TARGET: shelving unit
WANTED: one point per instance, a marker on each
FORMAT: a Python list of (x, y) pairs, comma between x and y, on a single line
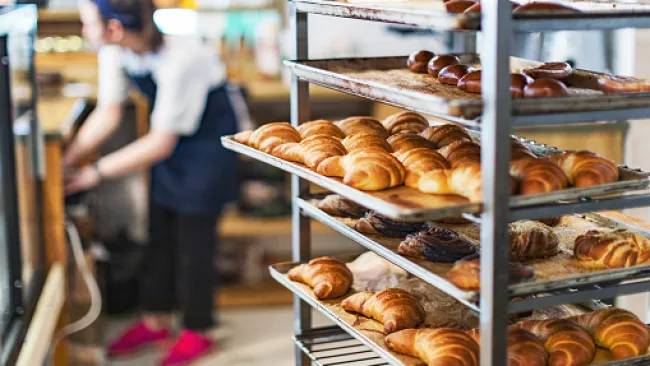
[(496, 119)]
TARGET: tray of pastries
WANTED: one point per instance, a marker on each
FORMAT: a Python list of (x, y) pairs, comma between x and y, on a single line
[(450, 85), (406, 169), (465, 14), (548, 255), (407, 322)]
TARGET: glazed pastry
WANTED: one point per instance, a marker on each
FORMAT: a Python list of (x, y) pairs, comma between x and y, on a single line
[(405, 122), (365, 169), (565, 341), (466, 273), (444, 135), (243, 137), (585, 169), (437, 245), (329, 277), (621, 84), (396, 309), (439, 62), (544, 7), (366, 141), (405, 141), (354, 125), (436, 347), (545, 88), (550, 70), (531, 240), (452, 73), (311, 151), (618, 330), (375, 224), (524, 348), (471, 82), (272, 135), (417, 61), (611, 249), (320, 127), (422, 160), (340, 206), (458, 6), (517, 84), (519, 151), (462, 152), (538, 176)]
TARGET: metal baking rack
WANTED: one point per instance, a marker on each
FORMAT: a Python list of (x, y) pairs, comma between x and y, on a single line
[(497, 25), (329, 346)]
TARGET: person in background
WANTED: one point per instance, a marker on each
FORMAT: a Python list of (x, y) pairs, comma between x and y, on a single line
[(192, 175)]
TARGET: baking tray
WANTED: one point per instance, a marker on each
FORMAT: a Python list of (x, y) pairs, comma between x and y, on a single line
[(435, 273), (432, 14), (387, 80), (369, 337), (406, 203)]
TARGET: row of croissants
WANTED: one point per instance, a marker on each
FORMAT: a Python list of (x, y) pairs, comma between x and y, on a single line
[(558, 342), (403, 149)]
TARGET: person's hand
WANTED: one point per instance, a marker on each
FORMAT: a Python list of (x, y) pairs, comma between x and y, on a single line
[(82, 179)]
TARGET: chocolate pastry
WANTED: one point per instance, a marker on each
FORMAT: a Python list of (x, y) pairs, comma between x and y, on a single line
[(471, 82), (543, 7), (375, 224), (439, 62), (545, 88), (466, 273), (549, 70), (418, 60), (458, 6), (337, 205), (517, 84), (437, 245), (452, 73)]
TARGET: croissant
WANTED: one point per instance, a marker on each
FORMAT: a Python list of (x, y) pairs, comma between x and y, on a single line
[(421, 160), (618, 330), (336, 205), (355, 125), (365, 169), (531, 240), (272, 135), (585, 169), (436, 244), (405, 122), (466, 274), (615, 249), (524, 348), (538, 176), (328, 276), (396, 309), (404, 142), (375, 224), (436, 347), (565, 341), (366, 141), (444, 135), (461, 152), (243, 137), (320, 127), (463, 180), (311, 151)]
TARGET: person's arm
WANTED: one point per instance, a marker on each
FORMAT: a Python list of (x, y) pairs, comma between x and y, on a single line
[(99, 126)]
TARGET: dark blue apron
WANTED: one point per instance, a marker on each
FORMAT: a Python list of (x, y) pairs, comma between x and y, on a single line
[(201, 175)]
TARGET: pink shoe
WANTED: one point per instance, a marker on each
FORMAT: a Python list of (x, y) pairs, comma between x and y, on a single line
[(136, 338), (189, 347)]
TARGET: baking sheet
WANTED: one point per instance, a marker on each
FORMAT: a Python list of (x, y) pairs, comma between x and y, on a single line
[(386, 79), (442, 311)]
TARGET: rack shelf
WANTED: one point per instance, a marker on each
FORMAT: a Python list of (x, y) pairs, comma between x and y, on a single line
[(330, 346)]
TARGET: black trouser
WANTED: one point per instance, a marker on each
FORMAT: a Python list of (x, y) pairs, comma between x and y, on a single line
[(181, 255)]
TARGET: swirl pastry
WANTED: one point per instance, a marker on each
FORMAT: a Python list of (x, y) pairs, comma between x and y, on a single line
[(436, 244), (404, 141), (355, 125), (444, 135), (405, 122), (272, 135), (340, 206), (375, 224), (366, 141), (585, 169), (531, 240), (612, 249), (320, 127), (395, 308), (329, 277), (466, 273)]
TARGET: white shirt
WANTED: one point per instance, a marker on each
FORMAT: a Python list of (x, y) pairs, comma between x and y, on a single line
[(184, 69)]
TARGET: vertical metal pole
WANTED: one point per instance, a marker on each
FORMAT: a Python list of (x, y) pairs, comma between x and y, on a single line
[(301, 225), (495, 157)]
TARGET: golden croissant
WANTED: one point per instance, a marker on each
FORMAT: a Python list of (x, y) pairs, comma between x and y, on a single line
[(365, 169), (422, 160), (329, 277), (524, 348), (436, 347), (405, 122), (464, 180), (538, 176), (355, 125), (404, 141), (311, 151), (585, 169), (272, 135), (462, 152), (396, 309), (366, 141), (320, 127), (444, 135)]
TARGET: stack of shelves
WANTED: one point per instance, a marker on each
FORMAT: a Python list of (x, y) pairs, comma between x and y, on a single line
[(494, 117)]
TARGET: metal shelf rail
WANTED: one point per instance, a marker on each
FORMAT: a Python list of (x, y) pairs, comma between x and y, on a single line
[(330, 346)]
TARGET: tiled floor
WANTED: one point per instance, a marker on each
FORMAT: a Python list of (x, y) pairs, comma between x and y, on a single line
[(256, 336)]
